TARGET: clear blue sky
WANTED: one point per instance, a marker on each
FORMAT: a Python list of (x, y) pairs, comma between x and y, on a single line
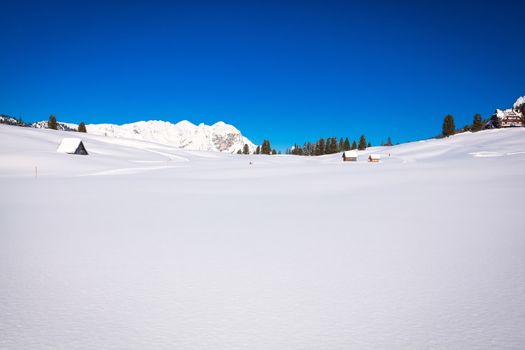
[(287, 71)]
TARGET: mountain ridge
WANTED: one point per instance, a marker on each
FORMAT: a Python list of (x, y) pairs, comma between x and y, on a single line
[(219, 137)]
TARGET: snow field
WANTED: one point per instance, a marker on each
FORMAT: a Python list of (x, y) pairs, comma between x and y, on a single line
[(140, 245)]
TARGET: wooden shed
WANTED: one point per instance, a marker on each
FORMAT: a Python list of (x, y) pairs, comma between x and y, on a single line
[(350, 156), (72, 145), (375, 158)]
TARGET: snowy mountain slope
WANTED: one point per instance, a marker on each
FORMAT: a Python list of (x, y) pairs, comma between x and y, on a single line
[(518, 103), (219, 137), (143, 245), (60, 126)]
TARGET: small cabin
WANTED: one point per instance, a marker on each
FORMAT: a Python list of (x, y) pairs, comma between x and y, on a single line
[(374, 158), (72, 145), (350, 156)]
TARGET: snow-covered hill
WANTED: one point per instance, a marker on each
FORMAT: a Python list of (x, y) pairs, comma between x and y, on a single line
[(60, 126), (141, 245), (219, 137)]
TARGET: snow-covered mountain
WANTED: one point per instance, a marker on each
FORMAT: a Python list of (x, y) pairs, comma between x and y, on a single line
[(60, 126), (5, 119), (521, 100), (219, 137)]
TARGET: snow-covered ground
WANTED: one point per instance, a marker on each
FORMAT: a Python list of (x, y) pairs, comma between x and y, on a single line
[(145, 246)]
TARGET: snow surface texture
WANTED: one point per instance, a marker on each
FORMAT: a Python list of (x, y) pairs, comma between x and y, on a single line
[(146, 246), (219, 137)]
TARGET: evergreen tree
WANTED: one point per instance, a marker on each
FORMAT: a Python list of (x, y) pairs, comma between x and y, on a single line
[(308, 149), (52, 122), (335, 147), (274, 151), (388, 141), (496, 122), (341, 145), (354, 145), (82, 127), (246, 149), (449, 127), (331, 145), (362, 143), (477, 123), (346, 146), (321, 146), (239, 152), (369, 144), (258, 150), (266, 148)]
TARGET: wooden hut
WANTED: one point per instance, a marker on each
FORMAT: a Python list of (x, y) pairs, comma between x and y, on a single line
[(374, 158), (350, 156), (72, 145)]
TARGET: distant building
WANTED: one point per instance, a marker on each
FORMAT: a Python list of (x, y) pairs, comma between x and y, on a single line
[(72, 145), (505, 118), (350, 156), (375, 158)]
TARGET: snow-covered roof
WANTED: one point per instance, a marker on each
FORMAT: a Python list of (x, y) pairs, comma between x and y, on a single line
[(350, 154), (374, 156), (506, 113), (69, 145)]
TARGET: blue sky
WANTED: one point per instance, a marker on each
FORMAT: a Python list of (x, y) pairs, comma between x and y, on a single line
[(286, 71)]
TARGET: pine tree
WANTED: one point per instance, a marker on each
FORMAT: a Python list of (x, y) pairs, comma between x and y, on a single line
[(308, 149), (362, 143), (477, 123), (388, 141), (82, 127), (369, 144), (354, 145), (334, 147), (52, 122), (321, 146), (246, 149), (346, 146), (239, 152), (329, 145), (449, 127), (274, 151), (266, 148), (496, 122), (258, 150), (341, 145)]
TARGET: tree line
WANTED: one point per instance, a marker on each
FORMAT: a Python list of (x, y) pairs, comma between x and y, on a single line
[(449, 126), (331, 145), (265, 148)]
